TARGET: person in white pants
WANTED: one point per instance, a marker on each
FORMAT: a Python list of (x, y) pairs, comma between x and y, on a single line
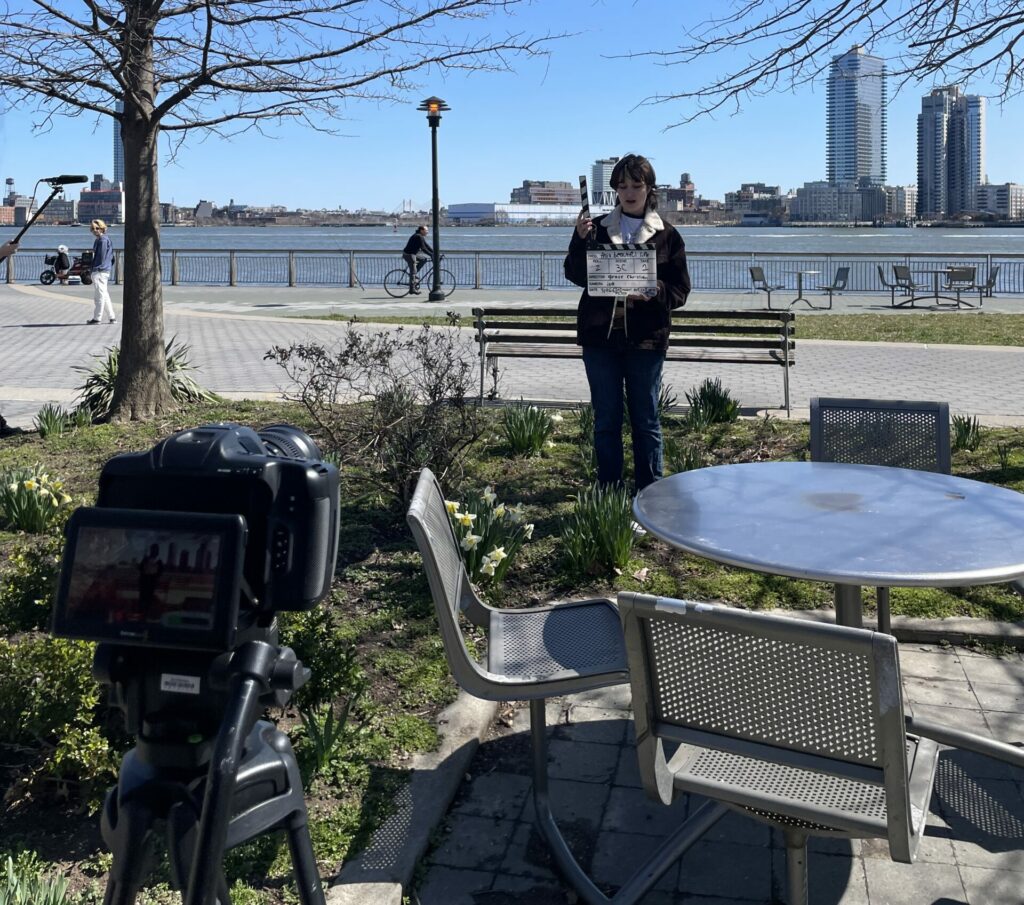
[(102, 261)]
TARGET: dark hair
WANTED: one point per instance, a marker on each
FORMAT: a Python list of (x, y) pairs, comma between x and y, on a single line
[(638, 169)]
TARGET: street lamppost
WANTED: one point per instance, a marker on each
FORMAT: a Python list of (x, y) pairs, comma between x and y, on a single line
[(433, 107)]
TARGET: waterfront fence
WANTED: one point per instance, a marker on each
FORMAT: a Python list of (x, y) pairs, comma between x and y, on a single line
[(709, 271)]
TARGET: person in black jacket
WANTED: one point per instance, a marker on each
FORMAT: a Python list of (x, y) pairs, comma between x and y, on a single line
[(416, 253), (625, 339), (62, 264)]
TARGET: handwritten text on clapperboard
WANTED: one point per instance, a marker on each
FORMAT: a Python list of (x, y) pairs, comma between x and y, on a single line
[(622, 270)]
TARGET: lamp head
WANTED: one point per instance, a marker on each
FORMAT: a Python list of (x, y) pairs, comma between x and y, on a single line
[(433, 107)]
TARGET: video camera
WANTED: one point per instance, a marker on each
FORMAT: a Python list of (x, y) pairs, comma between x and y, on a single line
[(209, 533), (179, 571)]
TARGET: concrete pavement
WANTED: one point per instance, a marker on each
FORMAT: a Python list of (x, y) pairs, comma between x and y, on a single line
[(43, 335)]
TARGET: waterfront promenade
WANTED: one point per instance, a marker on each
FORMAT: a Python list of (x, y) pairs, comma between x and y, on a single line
[(229, 329)]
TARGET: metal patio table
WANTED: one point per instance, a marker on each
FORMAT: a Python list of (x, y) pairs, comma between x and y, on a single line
[(800, 274), (852, 525)]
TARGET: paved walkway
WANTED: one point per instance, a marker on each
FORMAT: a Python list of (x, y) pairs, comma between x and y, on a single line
[(488, 853), (43, 335)]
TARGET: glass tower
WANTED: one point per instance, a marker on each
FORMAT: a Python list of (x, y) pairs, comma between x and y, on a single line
[(118, 146), (950, 152), (856, 133)]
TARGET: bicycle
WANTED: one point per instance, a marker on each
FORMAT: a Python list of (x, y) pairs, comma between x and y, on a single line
[(396, 282)]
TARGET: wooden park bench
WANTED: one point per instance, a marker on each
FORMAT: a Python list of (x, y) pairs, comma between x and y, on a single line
[(722, 337)]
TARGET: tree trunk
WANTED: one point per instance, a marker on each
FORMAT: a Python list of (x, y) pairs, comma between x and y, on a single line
[(142, 389)]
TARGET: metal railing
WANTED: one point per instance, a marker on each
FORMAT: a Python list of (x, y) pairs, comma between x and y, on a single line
[(709, 271)]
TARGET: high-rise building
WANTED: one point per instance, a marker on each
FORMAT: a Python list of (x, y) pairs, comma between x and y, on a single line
[(601, 191), (118, 146), (950, 152), (535, 191), (856, 131)]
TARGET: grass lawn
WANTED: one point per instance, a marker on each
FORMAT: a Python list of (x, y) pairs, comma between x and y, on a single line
[(374, 644), (959, 328)]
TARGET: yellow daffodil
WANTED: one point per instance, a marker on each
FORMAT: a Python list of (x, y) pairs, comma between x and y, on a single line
[(497, 554), (452, 507), (465, 519), (29, 484), (499, 510), (470, 541)]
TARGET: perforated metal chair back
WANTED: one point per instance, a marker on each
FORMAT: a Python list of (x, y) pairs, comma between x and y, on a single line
[(798, 723), (897, 433), (842, 278), (902, 274), (990, 280), (532, 653), (758, 277), (962, 277)]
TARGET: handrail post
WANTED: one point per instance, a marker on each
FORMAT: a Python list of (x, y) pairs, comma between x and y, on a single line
[(478, 313), (231, 268), (476, 267), (542, 281), (351, 269), (117, 267), (174, 268), (291, 269)]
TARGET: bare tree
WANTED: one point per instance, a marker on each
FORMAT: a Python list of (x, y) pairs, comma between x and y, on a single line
[(223, 66), (785, 43)]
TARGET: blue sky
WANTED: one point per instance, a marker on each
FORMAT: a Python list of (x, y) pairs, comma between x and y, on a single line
[(548, 120)]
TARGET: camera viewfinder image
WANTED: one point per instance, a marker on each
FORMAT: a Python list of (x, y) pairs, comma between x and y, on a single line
[(122, 575)]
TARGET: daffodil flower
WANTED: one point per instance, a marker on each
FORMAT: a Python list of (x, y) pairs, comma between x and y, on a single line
[(13, 488), (549, 443), (528, 531), (557, 418), (470, 541), (489, 495), (465, 519), (497, 554), (30, 484), (488, 566), (499, 510), (43, 491), (65, 498)]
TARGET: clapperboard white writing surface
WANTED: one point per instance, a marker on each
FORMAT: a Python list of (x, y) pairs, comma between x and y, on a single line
[(627, 269)]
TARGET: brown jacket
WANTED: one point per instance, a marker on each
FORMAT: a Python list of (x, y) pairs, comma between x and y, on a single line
[(647, 322)]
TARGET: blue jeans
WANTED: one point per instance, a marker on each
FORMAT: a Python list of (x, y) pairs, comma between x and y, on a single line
[(608, 369)]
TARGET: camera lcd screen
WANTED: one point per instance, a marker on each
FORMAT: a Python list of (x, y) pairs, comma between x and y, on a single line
[(165, 579)]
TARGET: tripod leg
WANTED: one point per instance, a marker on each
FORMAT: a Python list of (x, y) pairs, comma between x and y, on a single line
[(307, 875), (127, 828)]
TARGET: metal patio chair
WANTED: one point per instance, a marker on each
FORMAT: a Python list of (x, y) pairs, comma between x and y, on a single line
[(761, 283), (906, 283), (986, 288), (960, 280), (794, 723), (533, 654), (892, 287), (838, 284), (890, 432)]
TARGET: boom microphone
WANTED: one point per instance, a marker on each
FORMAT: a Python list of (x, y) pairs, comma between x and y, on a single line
[(64, 179)]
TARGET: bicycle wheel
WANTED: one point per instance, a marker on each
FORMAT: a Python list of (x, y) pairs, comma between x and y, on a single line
[(447, 282), (396, 283)]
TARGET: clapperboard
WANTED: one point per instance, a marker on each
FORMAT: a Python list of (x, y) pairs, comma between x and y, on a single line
[(626, 269)]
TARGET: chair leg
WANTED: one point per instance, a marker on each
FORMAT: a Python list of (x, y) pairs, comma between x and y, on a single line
[(882, 604), (650, 871), (796, 866)]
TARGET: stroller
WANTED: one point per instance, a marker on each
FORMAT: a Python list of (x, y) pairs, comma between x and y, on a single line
[(80, 267)]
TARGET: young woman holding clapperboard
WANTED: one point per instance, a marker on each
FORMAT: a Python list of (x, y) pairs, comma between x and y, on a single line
[(624, 339)]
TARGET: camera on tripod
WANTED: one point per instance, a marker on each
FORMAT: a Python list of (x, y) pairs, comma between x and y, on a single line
[(178, 571)]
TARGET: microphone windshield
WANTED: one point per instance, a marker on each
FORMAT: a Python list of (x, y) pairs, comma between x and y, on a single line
[(64, 179)]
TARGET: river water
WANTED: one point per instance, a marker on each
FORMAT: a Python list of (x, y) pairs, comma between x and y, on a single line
[(759, 240)]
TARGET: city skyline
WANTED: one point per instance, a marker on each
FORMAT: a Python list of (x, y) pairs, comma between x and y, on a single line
[(548, 121)]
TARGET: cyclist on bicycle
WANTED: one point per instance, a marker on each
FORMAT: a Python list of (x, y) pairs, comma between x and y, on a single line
[(416, 253)]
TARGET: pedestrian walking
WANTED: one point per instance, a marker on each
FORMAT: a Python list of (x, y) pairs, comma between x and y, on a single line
[(102, 262), (625, 339)]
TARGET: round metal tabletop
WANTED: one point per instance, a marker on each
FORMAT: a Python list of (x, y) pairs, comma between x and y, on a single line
[(848, 524)]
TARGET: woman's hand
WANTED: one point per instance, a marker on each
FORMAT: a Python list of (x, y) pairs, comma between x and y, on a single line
[(584, 225)]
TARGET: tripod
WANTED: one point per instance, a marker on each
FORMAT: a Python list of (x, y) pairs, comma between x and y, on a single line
[(204, 766)]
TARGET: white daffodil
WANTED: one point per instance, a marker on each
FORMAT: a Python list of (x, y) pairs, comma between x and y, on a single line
[(528, 531), (488, 566), (29, 484), (470, 541), (465, 519), (13, 488), (515, 514), (452, 506), (499, 510), (497, 554), (549, 443), (557, 418), (65, 498), (489, 495)]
